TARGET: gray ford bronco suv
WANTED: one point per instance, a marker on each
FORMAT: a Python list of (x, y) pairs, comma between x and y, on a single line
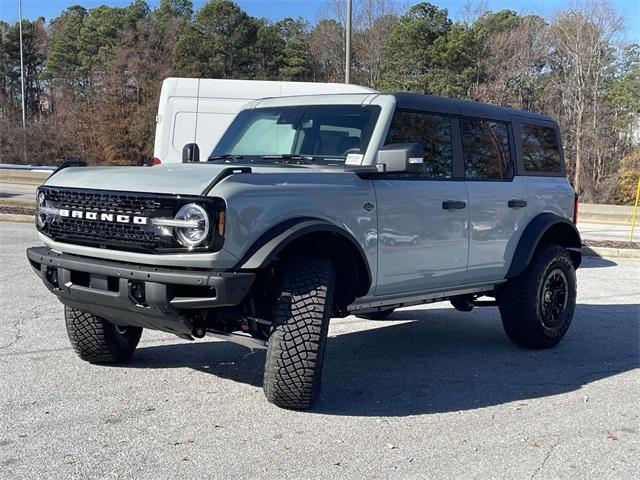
[(311, 208)]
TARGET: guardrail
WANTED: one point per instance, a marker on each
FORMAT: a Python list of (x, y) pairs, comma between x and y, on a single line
[(12, 166)]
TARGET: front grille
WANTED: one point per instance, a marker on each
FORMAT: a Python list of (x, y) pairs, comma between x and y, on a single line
[(110, 234), (103, 201)]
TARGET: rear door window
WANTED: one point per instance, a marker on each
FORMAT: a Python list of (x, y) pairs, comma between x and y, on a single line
[(486, 150), (433, 132), (540, 149)]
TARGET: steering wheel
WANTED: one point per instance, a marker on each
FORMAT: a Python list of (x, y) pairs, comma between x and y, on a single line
[(351, 150)]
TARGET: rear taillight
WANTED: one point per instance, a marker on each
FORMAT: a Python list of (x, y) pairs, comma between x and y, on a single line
[(575, 209), (155, 161)]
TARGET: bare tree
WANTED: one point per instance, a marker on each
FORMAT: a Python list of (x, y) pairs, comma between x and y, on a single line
[(327, 50), (519, 57), (471, 10), (372, 22), (583, 42)]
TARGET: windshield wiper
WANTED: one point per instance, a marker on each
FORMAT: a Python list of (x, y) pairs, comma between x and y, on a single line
[(290, 158), (225, 157)]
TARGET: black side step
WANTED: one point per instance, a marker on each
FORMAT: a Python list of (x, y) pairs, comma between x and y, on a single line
[(239, 339)]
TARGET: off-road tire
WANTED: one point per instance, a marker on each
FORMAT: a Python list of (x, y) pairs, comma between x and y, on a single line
[(295, 352), (96, 340), (379, 315), (522, 300)]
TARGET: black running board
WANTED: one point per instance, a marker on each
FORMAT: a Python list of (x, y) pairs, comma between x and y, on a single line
[(239, 338)]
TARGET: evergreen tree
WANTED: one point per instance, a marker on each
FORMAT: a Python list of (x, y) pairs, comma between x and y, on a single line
[(220, 43), (63, 61), (407, 57), (297, 62)]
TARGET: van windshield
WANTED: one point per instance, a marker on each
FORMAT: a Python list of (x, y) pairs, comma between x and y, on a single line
[(322, 134)]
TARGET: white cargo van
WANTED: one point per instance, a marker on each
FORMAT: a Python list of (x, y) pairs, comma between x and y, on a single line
[(198, 110)]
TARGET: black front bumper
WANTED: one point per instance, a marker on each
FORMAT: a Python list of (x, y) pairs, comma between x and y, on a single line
[(129, 294)]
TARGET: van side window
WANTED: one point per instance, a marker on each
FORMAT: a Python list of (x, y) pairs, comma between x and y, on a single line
[(433, 132), (540, 149), (485, 146)]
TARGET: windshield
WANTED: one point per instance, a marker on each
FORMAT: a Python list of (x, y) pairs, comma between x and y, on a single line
[(323, 134)]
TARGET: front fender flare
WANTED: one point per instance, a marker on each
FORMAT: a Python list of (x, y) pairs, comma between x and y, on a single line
[(275, 240), (560, 229)]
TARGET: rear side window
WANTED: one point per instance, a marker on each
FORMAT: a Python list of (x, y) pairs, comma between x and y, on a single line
[(433, 132), (540, 149), (485, 146)]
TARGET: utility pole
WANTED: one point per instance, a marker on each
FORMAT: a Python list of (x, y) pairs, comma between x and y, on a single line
[(24, 115), (24, 112), (347, 69)]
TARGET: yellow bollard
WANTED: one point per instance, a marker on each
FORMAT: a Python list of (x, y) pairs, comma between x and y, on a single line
[(635, 213)]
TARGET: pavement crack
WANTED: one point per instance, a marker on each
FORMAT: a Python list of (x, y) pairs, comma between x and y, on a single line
[(18, 335), (544, 461)]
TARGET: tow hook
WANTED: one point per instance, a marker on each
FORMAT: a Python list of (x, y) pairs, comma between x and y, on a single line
[(465, 303), (199, 332)]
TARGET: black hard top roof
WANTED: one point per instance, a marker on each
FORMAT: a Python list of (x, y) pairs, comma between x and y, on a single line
[(432, 103)]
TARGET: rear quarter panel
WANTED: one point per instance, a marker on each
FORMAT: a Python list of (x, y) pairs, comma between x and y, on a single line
[(550, 194)]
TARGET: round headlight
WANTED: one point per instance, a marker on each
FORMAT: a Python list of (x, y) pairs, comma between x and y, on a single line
[(41, 218), (192, 236)]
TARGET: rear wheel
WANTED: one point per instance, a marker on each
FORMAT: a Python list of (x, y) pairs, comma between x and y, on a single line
[(537, 306), (96, 340), (295, 353), (379, 315)]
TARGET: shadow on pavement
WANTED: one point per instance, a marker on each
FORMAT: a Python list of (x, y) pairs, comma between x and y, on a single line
[(597, 262), (437, 360)]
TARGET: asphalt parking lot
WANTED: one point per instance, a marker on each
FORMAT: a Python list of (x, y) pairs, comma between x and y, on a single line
[(432, 393)]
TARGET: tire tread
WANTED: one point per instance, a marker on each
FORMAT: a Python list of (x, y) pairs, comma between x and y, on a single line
[(518, 300), (94, 339), (296, 346)]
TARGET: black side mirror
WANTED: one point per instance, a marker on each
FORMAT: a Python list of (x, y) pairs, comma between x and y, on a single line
[(190, 153), (401, 157)]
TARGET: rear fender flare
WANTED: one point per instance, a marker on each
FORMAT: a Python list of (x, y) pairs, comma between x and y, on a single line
[(546, 225)]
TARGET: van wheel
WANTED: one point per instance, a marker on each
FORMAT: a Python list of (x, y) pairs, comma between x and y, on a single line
[(96, 340), (295, 353), (379, 315), (537, 306)]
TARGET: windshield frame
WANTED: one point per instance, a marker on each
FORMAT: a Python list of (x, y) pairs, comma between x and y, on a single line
[(221, 150)]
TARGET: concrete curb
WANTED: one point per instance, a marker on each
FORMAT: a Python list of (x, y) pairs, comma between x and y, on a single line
[(607, 252), (14, 218)]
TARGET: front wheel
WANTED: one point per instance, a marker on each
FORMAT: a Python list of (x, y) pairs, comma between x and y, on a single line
[(96, 340), (297, 342), (537, 306)]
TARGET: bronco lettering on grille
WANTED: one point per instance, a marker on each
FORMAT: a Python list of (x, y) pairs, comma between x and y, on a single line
[(103, 217)]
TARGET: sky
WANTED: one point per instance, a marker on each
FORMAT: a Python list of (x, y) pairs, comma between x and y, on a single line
[(313, 9)]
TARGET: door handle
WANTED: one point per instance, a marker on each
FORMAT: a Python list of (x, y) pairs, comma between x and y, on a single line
[(453, 205), (517, 203)]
